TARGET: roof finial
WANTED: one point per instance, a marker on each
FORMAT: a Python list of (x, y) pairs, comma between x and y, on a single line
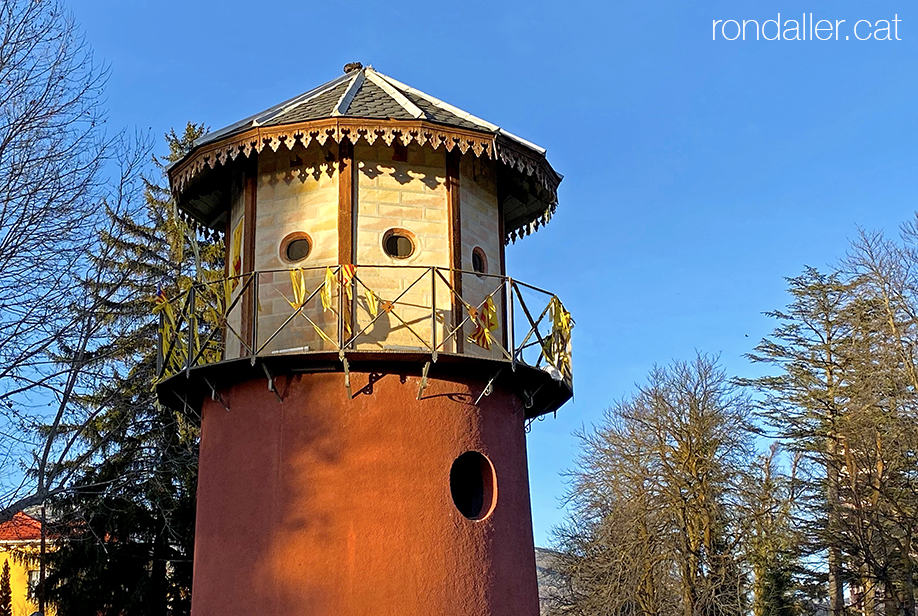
[(352, 66)]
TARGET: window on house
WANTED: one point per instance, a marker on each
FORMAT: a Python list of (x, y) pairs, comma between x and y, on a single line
[(34, 579), (479, 261), (398, 243), (295, 247), (472, 485)]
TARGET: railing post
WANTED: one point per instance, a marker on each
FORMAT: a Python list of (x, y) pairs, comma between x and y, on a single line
[(340, 308), (511, 337), (352, 309), (253, 282), (433, 313), (192, 326)]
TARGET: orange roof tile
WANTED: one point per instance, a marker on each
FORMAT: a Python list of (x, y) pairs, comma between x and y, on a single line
[(21, 528)]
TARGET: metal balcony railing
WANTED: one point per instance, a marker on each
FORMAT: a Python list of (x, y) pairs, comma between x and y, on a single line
[(349, 310)]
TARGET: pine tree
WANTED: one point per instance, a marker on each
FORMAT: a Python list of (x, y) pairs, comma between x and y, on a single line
[(771, 538), (6, 591), (130, 522), (805, 404)]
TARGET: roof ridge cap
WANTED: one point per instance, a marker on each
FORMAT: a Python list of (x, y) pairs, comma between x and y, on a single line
[(253, 120), (465, 115), (347, 97), (306, 97), (461, 113), (382, 82)]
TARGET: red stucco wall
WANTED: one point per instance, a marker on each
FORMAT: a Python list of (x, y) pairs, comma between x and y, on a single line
[(325, 504)]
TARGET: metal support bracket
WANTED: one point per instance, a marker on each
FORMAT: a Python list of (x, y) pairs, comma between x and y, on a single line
[(527, 400), (530, 396), (187, 408), (347, 375), (215, 395), (488, 389), (270, 378), (423, 384)]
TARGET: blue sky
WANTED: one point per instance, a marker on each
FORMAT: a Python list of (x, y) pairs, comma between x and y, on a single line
[(698, 173)]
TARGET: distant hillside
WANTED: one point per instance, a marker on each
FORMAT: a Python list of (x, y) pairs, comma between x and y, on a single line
[(551, 580)]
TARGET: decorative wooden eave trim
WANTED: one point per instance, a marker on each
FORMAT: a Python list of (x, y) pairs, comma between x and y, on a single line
[(528, 163), (519, 159), (353, 130), (528, 228), (337, 130), (21, 542)]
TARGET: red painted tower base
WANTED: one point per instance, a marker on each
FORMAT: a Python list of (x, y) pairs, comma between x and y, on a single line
[(327, 504)]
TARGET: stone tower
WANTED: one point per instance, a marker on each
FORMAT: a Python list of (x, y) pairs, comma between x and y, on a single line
[(366, 370)]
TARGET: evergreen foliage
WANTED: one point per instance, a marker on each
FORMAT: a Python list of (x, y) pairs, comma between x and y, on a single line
[(128, 525), (772, 543), (825, 523)]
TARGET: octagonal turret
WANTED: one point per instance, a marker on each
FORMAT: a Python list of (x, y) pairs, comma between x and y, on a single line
[(365, 217)]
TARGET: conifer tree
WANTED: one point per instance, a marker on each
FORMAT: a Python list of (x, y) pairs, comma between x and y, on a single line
[(6, 591), (771, 538), (845, 401), (129, 524), (805, 404)]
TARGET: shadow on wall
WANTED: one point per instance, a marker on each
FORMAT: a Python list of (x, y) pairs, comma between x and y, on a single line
[(373, 170)]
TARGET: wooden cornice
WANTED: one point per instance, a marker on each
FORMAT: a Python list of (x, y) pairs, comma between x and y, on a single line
[(353, 130)]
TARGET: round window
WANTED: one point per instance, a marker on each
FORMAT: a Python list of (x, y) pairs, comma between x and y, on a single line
[(473, 485), (398, 243), (479, 261), (295, 247)]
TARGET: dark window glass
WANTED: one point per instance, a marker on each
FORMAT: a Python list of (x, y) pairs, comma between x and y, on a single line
[(471, 484), (478, 261), (298, 249), (399, 246)]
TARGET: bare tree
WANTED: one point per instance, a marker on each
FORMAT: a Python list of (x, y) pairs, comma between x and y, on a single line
[(51, 154), (878, 437), (654, 528), (54, 207), (46, 444)]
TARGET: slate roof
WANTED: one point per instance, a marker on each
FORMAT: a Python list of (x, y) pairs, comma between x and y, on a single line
[(364, 92), (363, 96)]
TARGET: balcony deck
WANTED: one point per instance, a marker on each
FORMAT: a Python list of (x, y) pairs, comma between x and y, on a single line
[(365, 317)]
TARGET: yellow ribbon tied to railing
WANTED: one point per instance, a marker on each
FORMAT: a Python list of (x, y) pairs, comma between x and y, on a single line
[(300, 292), (372, 303), (327, 289), (301, 295), (485, 321), (558, 347), (174, 347)]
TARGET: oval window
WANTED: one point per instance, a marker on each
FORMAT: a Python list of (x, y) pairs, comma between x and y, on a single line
[(295, 247), (479, 261), (473, 485), (398, 243)]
